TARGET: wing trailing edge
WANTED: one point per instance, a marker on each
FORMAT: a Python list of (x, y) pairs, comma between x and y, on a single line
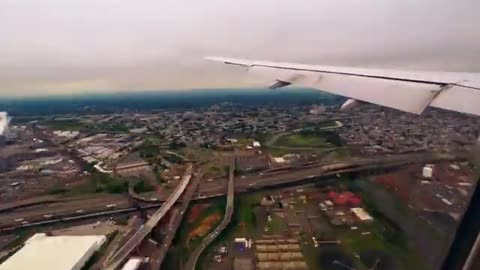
[(410, 91)]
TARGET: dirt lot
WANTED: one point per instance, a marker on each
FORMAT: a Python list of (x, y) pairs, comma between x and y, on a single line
[(196, 211), (205, 226)]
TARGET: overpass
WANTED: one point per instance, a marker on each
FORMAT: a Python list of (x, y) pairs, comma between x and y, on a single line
[(176, 220), (192, 261), (218, 188), (124, 251)]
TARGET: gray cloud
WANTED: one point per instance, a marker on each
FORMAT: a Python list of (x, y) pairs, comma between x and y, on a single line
[(61, 46)]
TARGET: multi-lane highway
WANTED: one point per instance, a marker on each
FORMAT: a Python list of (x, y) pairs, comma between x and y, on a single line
[(176, 220), (41, 213), (140, 235), (192, 261)]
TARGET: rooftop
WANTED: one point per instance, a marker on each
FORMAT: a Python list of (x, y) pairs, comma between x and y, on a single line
[(54, 252)]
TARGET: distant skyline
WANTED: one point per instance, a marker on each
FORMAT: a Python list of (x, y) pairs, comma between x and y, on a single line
[(70, 47)]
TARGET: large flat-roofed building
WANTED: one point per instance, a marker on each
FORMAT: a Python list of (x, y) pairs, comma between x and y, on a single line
[(54, 252), (4, 121), (132, 264)]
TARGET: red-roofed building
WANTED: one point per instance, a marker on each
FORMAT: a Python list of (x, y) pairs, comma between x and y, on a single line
[(340, 200), (332, 195), (354, 201)]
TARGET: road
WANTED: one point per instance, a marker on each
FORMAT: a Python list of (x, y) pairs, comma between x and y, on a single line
[(140, 235), (65, 208), (192, 261), (215, 188), (239, 187), (176, 220), (264, 180)]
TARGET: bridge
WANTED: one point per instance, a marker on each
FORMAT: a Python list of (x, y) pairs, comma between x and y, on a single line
[(122, 254), (192, 261)]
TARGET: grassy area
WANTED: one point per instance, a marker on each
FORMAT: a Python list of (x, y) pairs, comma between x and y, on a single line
[(109, 184), (142, 186), (339, 154), (299, 140), (242, 223), (386, 236), (380, 241), (242, 142), (217, 207), (280, 151), (155, 139), (400, 207), (310, 252), (98, 183), (244, 215), (196, 153), (114, 127), (76, 124), (148, 150), (276, 225), (319, 125), (71, 124), (216, 171)]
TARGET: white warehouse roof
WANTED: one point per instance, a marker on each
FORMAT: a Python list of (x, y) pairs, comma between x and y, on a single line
[(132, 264), (54, 252)]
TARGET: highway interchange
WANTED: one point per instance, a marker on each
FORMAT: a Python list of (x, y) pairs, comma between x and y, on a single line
[(111, 204), (192, 261), (176, 219), (144, 230), (189, 188)]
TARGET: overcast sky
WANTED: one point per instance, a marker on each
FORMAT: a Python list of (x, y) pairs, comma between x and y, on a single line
[(65, 46)]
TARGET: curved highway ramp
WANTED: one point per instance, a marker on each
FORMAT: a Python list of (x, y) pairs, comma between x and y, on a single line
[(138, 237), (192, 261)]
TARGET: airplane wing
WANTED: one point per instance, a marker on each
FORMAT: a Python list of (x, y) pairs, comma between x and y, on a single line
[(410, 91)]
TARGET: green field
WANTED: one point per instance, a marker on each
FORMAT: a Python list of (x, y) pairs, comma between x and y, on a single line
[(143, 187), (216, 171), (154, 139), (276, 225), (71, 124), (385, 236), (99, 183), (242, 223), (299, 140), (75, 124)]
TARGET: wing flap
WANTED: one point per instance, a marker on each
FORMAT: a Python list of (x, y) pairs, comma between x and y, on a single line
[(401, 95), (460, 99), (410, 91), (406, 96)]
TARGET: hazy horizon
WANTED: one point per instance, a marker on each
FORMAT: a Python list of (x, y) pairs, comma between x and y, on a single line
[(60, 47)]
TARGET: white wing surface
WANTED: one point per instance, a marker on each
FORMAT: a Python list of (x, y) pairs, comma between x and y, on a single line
[(410, 91)]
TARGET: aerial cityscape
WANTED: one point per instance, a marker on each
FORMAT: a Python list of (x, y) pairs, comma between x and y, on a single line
[(239, 135), (232, 184)]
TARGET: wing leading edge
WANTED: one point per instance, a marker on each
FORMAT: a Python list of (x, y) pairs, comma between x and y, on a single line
[(409, 91)]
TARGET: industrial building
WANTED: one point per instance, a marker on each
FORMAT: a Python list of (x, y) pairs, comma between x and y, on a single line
[(133, 264), (4, 121), (54, 252), (279, 253)]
